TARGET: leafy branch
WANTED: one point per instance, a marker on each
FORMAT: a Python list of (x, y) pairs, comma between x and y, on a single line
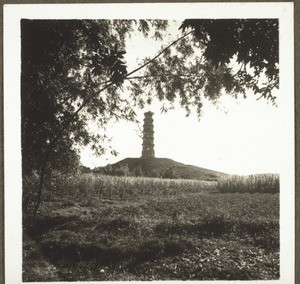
[(93, 94)]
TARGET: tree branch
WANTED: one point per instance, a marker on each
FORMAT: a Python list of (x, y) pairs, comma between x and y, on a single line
[(94, 93), (51, 145), (110, 83), (159, 75), (159, 54), (148, 62)]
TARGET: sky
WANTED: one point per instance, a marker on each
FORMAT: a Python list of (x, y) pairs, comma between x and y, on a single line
[(243, 137), (239, 136)]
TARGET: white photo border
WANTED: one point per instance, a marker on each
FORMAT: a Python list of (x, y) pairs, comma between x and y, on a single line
[(12, 126)]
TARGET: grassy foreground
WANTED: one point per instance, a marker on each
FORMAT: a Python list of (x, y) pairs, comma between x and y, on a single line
[(117, 228)]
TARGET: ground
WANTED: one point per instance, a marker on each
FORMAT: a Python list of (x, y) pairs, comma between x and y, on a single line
[(130, 232)]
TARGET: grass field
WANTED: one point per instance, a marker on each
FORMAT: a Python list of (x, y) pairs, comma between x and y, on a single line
[(93, 227)]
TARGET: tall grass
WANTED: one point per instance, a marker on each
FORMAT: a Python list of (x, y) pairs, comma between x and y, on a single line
[(91, 186), (261, 183), (96, 228), (121, 188)]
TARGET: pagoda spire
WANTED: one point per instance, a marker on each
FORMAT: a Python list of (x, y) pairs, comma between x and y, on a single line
[(148, 136)]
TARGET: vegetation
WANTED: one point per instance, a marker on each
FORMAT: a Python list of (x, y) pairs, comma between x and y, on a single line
[(223, 56), (263, 183), (94, 228), (86, 187), (73, 72), (254, 43), (158, 167)]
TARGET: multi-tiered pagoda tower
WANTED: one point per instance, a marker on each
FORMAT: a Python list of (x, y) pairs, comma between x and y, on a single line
[(148, 145)]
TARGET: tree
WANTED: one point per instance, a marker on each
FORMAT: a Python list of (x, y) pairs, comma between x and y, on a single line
[(217, 56), (254, 44), (60, 60), (74, 71)]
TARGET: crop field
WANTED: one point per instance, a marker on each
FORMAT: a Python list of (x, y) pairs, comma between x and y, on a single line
[(95, 228)]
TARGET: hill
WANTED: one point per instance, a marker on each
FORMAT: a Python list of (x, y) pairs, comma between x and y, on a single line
[(159, 167)]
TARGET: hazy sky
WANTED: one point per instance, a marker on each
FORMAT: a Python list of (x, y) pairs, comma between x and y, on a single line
[(238, 136), (244, 140)]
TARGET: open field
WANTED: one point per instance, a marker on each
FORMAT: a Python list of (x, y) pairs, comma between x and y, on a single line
[(122, 228)]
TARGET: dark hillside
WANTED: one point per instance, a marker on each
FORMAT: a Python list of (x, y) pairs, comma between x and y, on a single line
[(163, 167)]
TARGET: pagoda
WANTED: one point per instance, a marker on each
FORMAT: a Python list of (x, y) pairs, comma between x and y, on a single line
[(148, 132)]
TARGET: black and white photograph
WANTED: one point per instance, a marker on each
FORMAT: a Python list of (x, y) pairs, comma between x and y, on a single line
[(149, 142)]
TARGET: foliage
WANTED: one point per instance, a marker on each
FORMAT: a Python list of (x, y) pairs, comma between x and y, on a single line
[(254, 43), (122, 170), (86, 187), (138, 171), (159, 167), (170, 173), (263, 183), (84, 169), (223, 56), (73, 73), (168, 231)]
